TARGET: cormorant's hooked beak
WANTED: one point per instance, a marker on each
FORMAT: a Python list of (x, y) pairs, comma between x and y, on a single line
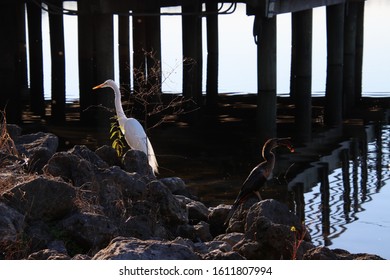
[(287, 143)]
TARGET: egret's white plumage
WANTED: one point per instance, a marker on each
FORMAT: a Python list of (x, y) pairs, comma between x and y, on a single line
[(132, 130)]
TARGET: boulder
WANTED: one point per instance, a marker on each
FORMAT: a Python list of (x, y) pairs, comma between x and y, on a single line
[(89, 231), (109, 155), (172, 211), (324, 253), (38, 148), (137, 161), (41, 199), (121, 248), (217, 217), (11, 223), (71, 168)]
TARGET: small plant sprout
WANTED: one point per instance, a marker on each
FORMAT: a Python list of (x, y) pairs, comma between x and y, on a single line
[(298, 239)]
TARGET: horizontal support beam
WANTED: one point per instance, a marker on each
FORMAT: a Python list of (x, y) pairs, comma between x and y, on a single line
[(270, 8)]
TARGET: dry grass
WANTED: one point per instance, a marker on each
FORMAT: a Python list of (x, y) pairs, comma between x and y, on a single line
[(7, 145), (11, 167)]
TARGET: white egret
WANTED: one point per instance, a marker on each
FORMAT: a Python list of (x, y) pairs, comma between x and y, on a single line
[(132, 130)]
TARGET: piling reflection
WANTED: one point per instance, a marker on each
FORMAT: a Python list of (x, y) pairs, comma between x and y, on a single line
[(343, 192)]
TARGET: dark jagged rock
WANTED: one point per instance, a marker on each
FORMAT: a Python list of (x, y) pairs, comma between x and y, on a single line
[(177, 186), (38, 148), (137, 161), (109, 155), (71, 168), (11, 223), (88, 230), (48, 254), (173, 212), (122, 248), (217, 217), (85, 153), (41, 199), (197, 211), (324, 253)]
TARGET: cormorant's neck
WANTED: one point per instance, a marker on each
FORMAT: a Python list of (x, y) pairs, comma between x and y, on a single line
[(268, 155)]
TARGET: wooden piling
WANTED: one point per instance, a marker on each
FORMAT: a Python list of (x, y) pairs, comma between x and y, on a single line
[(86, 62), (13, 59), (34, 19), (146, 45), (334, 78), (349, 71), (266, 77), (124, 52), (57, 47), (192, 51), (212, 54), (301, 71), (359, 49)]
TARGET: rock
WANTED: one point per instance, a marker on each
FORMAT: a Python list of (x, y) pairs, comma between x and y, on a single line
[(14, 131), (89, 231), (172, 211), (109, 155), (137, 161), (131, 185), (197, 211), (177, 187), (219, 255), (143, 222), (38, 147), (238, 219), (324, 253), (121, 248), (71, 168), (269, 237), (48, 254), (27, 143), (84, 153), (11, 223), (202, 230), (216, 219), (41, 199), (275, 211), (231, 238)]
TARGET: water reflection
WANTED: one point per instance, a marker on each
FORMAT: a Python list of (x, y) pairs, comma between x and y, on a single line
[(341, 195)]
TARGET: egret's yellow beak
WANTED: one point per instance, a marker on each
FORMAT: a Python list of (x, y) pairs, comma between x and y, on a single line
[(99, 86)]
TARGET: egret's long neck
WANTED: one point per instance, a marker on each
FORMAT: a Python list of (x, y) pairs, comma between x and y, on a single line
[(118, 104)]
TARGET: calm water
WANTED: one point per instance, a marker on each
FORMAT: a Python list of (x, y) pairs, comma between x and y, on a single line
[(358, 218), (362, 224)]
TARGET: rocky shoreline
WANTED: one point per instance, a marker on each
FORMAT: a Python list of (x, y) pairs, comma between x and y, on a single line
[(83, 204)]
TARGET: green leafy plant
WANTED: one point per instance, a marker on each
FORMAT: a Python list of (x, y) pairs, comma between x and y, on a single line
[(117, 137)]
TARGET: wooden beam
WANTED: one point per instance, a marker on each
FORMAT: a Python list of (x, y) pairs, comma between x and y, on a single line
[(359, 50), (124, 52), (13, 59), (349, 71), (301, 68), (192, 52), (86, 61), (334, 78), (266, 65), (34, 17), (270, 8), (212, 54), (57, 47)]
